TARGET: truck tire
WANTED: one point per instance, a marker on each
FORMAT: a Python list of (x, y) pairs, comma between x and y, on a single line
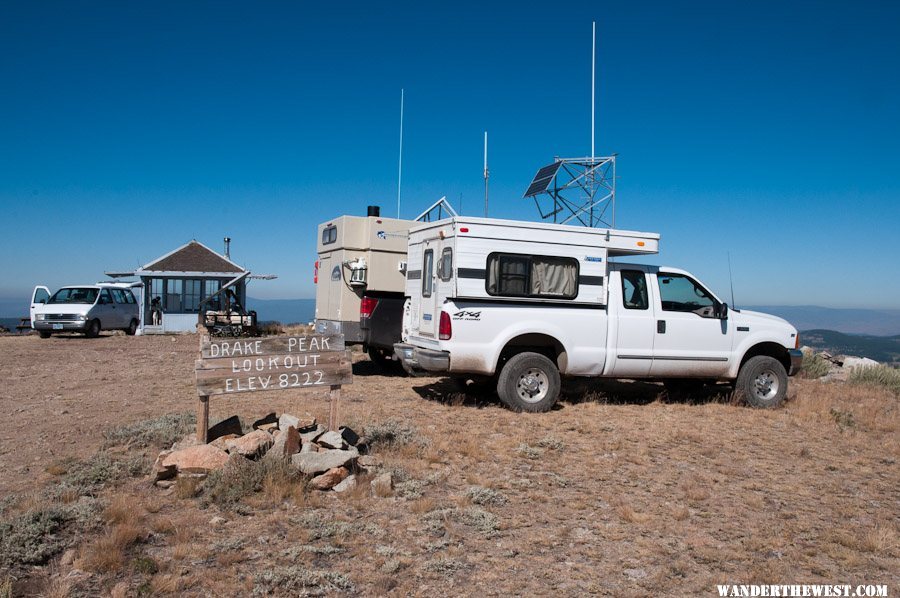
[(92, 329), (380, 358), (529, 382), (762, 382)]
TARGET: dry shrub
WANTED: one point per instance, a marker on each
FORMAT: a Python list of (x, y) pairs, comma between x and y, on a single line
[(879, 376), (680, 513), (165, 584), (814, 365), (122, 508), (187, 486), (881, 540), (627, 513), (107, 554)]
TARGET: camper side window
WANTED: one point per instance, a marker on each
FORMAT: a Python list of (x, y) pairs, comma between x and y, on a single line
[(329, 235), (445, 267), (427, 273), (537, 276)]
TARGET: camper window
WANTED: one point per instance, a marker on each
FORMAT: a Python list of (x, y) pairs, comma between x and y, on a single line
[(445, 267), (329, 235), (535, 276), (634, 290), (428, 273)]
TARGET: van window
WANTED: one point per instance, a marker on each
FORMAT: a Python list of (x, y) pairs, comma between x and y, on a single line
[(428, 273), (512, 275), (329, 235), (129, 297), (679, 293), (119, 296), (105, 298), (634, 290), (445, 267)]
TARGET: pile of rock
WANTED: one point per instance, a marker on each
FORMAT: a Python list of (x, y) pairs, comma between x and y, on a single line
[(840, 366), (330, 458)]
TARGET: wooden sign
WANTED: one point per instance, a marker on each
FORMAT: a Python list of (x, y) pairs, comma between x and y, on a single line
[(229, 366)]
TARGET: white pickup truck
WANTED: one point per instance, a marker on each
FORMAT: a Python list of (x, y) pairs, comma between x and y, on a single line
[(517, 304)]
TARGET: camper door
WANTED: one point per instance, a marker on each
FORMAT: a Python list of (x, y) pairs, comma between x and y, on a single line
[(437, 281)]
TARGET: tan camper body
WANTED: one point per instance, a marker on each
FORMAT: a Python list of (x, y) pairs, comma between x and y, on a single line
[(382, 243)]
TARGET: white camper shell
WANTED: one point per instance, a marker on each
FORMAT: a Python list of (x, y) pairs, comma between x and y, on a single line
[(517, 304), (357, 255), (475, 258)]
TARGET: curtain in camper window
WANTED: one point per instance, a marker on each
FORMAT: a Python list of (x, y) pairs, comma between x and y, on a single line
[(532, 276), (554, 276)]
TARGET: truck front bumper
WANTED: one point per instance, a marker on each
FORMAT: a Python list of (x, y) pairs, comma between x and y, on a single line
[(796, 356), (416, 358), (54, 326)]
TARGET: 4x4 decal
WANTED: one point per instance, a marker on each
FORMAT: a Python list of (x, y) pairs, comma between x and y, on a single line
[(467, 315)]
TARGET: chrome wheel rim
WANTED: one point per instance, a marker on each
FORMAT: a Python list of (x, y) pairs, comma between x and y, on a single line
[(765, 386), (532, 385)]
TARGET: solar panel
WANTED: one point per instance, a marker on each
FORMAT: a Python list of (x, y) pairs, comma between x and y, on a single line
[(543, 178)]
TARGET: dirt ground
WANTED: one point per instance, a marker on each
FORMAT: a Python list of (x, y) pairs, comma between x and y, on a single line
[(616, 492)]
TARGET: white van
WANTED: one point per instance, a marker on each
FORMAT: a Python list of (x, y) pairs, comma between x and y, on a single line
[(519, 303), (84, 308)]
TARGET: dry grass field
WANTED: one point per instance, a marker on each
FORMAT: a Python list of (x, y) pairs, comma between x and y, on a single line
[(617, 492)]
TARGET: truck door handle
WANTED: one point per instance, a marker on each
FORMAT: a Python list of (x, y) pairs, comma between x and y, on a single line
[(661, 326)]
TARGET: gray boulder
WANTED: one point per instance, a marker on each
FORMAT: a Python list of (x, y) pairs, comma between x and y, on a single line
[(315, 463)]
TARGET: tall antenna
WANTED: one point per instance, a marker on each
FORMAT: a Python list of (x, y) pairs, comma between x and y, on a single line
[(400, 161), (486, 175), (731, 280), (593, 78)]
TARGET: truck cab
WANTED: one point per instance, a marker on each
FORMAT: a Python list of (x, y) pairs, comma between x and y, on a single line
[(519, 313)]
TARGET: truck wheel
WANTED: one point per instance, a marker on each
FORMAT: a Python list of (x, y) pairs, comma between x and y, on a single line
[(380, 358), (529, 382), (132, 328), (44, 333), (762, 382), (93, 329)]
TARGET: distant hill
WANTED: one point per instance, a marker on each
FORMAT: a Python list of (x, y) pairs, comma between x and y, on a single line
[(885, 349), (286, 311), (880, 322)]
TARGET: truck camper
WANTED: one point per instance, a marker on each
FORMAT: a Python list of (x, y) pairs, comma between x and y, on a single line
[(517, 304)]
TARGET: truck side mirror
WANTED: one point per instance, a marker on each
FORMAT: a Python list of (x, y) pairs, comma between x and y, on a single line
[(722, 311)]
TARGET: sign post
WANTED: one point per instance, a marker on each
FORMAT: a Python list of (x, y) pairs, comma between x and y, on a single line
[(237, 365)]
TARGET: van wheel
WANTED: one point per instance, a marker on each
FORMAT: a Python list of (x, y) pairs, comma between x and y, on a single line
[(762, 382), (132, 328), (93, 329), (529, 382), (44, 333)]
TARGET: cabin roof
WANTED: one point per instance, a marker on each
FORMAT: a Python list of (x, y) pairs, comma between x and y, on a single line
[(193, 257)]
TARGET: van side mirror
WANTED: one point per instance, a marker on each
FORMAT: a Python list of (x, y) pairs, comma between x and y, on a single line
[(722, 311)]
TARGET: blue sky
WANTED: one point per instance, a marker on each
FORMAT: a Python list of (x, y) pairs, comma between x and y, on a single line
[(768, 130)]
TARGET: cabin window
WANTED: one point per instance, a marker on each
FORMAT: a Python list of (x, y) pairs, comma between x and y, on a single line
[(428, 273), (156, 289), (634, 290), (329, 235), (679, 293), (211, 288), (445, 267), (174, 288), (192, 295), (536, 276)]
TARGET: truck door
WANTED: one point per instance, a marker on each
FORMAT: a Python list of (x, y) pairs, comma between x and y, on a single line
[(39, 296), (635, 323), (690, 341), (429, 311)]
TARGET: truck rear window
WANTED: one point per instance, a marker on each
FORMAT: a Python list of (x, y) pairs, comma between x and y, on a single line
[(537, 276)]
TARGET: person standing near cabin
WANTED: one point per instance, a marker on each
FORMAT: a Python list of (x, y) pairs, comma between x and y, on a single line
[(156, 311)]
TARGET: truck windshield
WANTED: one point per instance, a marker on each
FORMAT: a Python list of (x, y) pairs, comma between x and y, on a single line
[(76, 295)]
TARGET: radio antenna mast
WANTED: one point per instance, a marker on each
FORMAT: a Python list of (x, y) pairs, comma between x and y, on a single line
[(486, 176), (593, 84), (731, 281), (400, 161)]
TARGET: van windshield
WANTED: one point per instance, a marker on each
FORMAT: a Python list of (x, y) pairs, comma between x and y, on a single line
[(77, 295)]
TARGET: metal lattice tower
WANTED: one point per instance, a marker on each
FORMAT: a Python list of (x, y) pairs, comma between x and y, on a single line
[(577, 191)]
